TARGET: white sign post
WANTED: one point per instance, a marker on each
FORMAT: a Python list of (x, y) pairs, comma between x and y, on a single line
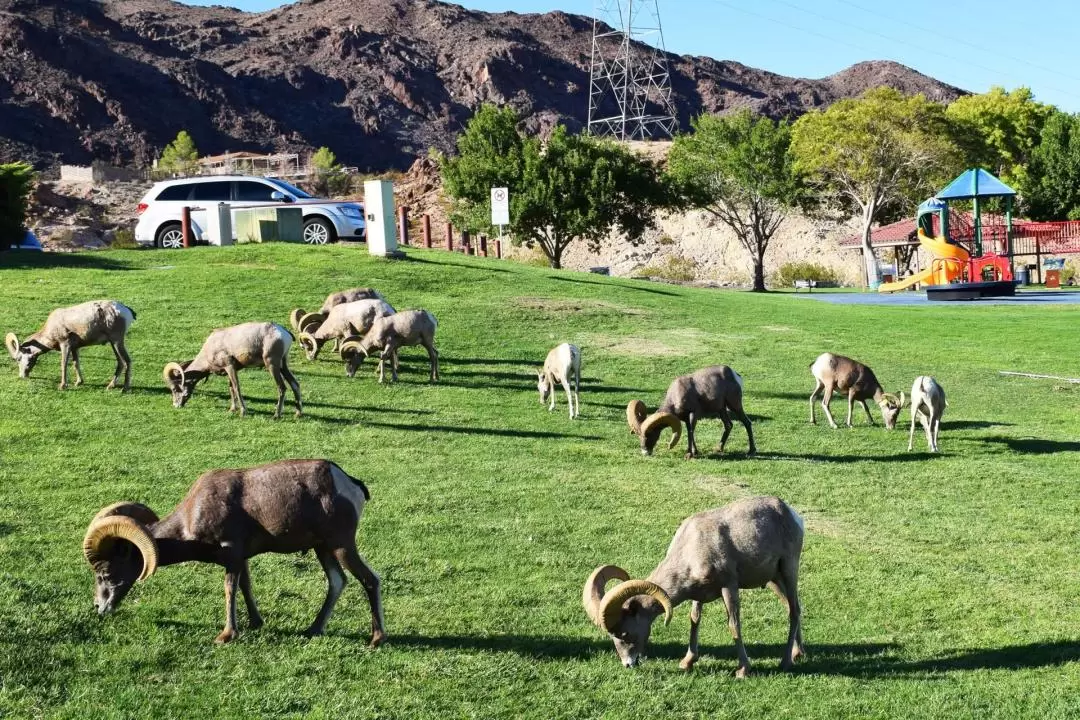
[(500, 208)]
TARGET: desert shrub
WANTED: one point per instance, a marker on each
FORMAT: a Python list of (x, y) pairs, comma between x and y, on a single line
[(124, 239), (15, 182), (791, 271), (665, 240), (674, 268), (1070, 275)]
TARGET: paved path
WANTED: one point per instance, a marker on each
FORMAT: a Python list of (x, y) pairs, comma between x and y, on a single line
[(1023, 297)]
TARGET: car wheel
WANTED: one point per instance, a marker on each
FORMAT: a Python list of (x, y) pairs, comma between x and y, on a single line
[(317, 232), (170, 236)]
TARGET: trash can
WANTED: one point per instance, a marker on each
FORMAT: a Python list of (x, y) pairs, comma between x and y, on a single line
[(1023, 275)]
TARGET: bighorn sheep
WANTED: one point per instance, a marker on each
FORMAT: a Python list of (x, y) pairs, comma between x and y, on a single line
[(229, 516), (343, 321), (928, 403), (750, 543), (710, 392), (562, 365), (230, 349), (334, 298), (92, 323), (836, 372), (388, 333)]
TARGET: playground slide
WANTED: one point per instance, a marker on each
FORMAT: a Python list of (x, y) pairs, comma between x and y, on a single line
[(947, 265)]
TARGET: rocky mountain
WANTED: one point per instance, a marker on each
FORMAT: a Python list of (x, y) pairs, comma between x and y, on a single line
[(378, 81)]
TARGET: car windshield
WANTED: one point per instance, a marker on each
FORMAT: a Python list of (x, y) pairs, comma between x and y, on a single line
[(294, 191)]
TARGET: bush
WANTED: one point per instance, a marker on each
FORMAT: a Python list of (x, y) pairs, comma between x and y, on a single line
[(124, 239), (792, 271), (15, 182), (1070, 275), (674, 268)]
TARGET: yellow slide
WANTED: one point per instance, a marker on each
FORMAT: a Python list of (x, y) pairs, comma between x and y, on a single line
[(947, 265)]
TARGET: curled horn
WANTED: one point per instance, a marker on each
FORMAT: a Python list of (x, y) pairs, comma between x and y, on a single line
[(635, 413), (310, 321), (593, 593), (105, 531), (611, 606), (173, 369), (294, 318), (663, 419), (351, 346), (892, 400), (135, 511), (308, 342), (12, 343)]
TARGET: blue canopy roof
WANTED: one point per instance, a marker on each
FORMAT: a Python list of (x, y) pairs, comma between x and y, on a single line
[(975, 183), (932, 205)]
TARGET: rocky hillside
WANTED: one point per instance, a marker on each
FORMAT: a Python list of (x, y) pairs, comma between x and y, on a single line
[(379, 81)]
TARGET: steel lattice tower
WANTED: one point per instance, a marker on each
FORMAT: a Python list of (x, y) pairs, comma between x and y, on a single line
[(630, 87)]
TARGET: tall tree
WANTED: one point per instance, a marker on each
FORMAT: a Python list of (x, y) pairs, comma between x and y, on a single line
[(738, 168), (15, 182), (999, 130), (329, 177), (567, 189), (1054, 179), (879, 153), (179, 155)]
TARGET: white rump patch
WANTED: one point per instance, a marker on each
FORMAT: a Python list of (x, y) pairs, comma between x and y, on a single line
[(346, 488), (798, 518)]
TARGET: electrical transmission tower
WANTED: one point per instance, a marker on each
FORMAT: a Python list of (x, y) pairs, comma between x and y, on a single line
[(630, 87)]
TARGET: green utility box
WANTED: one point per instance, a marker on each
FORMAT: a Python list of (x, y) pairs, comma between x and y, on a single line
[(272, 224)]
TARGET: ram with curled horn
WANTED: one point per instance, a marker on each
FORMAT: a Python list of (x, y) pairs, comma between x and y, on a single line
[(712, 392), (228, 350), (750, 543), (343, 321), (229, 516)]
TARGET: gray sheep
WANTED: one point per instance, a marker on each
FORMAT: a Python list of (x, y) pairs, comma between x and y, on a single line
[(836, 372), (343, 321), (388, 333)]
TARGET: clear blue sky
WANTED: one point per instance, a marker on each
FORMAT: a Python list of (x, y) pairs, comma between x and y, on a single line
[(970, 43)]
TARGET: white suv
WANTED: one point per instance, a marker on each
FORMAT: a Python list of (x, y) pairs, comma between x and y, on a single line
[(160, 210)]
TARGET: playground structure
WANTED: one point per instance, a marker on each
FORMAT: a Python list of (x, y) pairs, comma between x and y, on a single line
[(970, 257)]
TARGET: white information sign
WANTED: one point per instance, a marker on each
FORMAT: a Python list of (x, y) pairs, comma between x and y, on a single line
[(500, 206)]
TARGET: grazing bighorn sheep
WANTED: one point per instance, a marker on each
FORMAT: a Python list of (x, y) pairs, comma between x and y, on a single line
[(836, 372), (343, 321), (562, 365), (928, 403), (334, 298), (229, 349), (388, 333), (750, 543), (67, 329), (710, 392), (229, 516)]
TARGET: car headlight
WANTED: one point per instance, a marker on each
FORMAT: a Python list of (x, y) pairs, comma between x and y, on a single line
[(351, 211)]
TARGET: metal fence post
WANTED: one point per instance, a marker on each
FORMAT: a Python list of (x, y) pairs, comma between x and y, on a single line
[(185, 226), (427, 231), (449, 237)]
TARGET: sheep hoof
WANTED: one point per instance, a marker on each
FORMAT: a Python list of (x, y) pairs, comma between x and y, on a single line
[(255, 622), (63, 386), (687, 663), (313, 631), (377, 638), (742, 673), (689, 456), (111, 385), (225, 637)]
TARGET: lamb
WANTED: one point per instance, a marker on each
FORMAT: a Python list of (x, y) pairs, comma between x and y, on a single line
[(750, 543), (92, 323), (710, 392), (836, 372), (561, 365), (388, 333), (229, 349), (928, 403), (229, 516), (343, 321)]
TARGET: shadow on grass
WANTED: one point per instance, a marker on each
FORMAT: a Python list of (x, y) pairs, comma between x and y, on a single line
[(6, 529), (845, 459), (971, 424), (581, 281), (49, 260), (498, 432), (448, 262), (1035, 446)]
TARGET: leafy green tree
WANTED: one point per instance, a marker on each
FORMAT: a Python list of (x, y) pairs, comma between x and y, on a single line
[(568, 189), (15, 182), (738, 168), (179, 155), (1054, 181), (328, 176), (999, 130), (879, 154)]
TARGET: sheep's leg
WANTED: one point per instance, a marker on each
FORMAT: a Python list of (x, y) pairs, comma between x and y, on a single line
[(350, 558), (232, 577), (121, 350), (119, 366), (731, 602), (790, 601), (850, 406), (911, 433), (295, 385), (275, 372), (433, 358), (569, 396), (691, 442), (825, 400), (813, 396), (234, 383), (335, 584), (387, 355), (255, 620), (936, 429), (78, 366), (577, 387), (65, 353), (931, 440), (741, 415), (726, 419), (867, 409), (691, 657)]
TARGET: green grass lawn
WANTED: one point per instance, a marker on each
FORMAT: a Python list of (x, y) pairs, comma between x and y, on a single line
[(939, 587)]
